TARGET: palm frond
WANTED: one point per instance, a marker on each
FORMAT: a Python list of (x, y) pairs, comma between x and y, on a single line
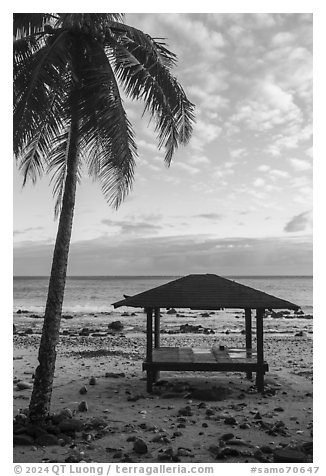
[(39, 89), (28, 24), (106, 134), (154, 47), (57, 166), (62, 56), (145, 77), (89, 23), (36, 154)]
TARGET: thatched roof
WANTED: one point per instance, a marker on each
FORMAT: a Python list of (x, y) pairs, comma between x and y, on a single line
[(205, 292)]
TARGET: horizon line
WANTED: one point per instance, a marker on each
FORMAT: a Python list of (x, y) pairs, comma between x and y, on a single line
[(167, 275)]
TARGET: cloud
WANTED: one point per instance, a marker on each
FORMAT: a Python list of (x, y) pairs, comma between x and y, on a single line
[(207, 99), (267, 106), (209, 216), (222, 172), (299, 222), (26, 230), (176, 255), (275, 173), (133, 227), (194, 33), (300, 165), (204, 132), (263, 168), (259, 182), (199, 160), (282, 38), (186, 167), (237, 153), (309, 151), (263, 20)]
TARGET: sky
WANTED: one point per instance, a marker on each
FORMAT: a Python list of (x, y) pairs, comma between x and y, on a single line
[(237, 200)]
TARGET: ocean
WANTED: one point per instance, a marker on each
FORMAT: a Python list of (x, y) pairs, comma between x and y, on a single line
[(86, 294)]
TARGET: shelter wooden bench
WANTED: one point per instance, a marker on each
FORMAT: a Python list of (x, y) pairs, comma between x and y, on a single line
[(205, 292), (216, 359)]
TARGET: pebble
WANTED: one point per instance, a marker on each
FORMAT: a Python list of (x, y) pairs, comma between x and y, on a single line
[(161, 439), (244, 426), (83, 390), (184, 452), (92, 381), (266, 449), (24, 385)]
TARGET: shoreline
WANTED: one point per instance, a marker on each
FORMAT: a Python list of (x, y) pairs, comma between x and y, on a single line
[(172, 422)]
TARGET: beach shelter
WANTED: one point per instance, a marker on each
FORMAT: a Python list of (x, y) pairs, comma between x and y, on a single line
[(205, 292)]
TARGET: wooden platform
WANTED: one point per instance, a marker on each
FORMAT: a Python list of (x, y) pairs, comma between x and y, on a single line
[(217, 359)]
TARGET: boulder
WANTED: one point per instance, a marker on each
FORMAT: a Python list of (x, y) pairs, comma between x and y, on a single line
[(83, 407), (66, 413), (230, 420), (227, 436), (115, 326), (114, 374), (70, 425), (227, 451), (140, 446), (186, 411), (47, 439), (210, 395), (34, 430), (288, 455), (23, 440)]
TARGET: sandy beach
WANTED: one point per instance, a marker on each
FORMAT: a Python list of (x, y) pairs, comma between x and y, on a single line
[(191, 417)]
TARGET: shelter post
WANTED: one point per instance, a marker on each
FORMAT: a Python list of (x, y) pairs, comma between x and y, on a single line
[(260, 349), (157, 328), (149, 347), (157, 315), (248, 336)]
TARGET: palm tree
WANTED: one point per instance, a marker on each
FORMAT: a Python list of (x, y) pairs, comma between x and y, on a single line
[(68, 111)]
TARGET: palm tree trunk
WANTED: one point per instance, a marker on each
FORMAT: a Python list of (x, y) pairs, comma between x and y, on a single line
[(39, 406)]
